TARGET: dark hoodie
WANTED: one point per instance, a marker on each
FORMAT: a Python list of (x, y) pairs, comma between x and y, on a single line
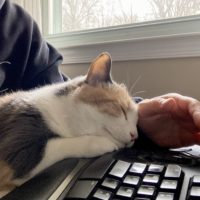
[(33, 61)]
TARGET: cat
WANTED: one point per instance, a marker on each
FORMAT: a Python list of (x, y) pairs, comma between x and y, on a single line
[(85, 117)]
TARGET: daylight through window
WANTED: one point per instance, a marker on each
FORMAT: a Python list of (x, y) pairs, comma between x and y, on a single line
[(88, 14)]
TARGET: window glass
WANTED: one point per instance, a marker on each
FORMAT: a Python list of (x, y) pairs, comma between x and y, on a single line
[(88, 14)]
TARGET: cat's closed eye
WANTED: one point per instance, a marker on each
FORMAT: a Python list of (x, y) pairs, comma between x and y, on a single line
[(124, 113)]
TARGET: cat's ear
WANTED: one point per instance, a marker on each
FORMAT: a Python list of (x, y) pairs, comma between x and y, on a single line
[(100, 70)]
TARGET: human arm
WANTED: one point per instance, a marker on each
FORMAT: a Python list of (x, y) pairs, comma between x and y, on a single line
[(171, 120), (33, 61)]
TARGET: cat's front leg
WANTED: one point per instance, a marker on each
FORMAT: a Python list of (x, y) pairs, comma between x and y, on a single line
[(80, 147), (92, 146)]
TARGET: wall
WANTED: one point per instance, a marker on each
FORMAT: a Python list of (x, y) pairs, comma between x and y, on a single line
[(156, 77)]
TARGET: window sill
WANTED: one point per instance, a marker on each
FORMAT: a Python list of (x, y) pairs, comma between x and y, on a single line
[(173, 38)]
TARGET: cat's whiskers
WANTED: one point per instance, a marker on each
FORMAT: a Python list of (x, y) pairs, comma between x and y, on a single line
[(130, 89), (134, 84), (128, 83), (138, 92)]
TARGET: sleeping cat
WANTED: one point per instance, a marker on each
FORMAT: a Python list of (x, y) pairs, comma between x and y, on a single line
[(85, 117)]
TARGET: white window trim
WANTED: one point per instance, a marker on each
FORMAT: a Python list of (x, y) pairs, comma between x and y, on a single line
[(172, 38)]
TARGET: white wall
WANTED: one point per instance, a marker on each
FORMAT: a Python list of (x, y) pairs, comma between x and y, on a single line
[(157, 76)]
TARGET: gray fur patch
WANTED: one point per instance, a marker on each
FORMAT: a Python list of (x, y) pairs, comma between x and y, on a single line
[(23, 136), (68, 89), (63, 92)]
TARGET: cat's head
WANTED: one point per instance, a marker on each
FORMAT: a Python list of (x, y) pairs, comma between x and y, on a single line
[(104, 106)]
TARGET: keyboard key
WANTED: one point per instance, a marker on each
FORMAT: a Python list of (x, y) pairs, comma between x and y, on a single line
[(102, 164), (194, 193), (110, 183), (173, 171), (156, 168), (196, 180), (119, 169), (131, 180), (138, 168), (146, 190), (151, 178), (102, 194), (81, 189), (169, 184), (135, 181), (165, 196), (125, 192)]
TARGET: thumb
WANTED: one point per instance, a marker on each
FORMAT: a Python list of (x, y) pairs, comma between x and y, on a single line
[(155, 106)]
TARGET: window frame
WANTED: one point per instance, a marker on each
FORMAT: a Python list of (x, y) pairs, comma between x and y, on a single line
[(169, 38)]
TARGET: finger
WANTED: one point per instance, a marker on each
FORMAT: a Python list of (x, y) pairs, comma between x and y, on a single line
[(168, 105), (176, 96), (187, 110), (183, 102), (156, 106), (186, 106)]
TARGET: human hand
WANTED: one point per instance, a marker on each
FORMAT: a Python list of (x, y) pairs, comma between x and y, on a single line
[(171, 120)]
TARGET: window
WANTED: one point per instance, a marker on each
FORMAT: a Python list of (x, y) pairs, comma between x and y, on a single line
[(75, 15), (128, 29)]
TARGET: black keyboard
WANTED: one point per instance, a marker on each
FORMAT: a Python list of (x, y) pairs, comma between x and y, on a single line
[(108, 178), (136, 174)]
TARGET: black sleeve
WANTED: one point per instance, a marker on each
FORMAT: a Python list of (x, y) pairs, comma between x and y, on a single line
[(33, 61)]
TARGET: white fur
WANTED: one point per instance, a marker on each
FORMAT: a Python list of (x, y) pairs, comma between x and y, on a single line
[(84, 131), (83, 146), (69, 118)]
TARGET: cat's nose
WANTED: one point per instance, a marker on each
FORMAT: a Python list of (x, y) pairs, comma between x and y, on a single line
[(133, 136)]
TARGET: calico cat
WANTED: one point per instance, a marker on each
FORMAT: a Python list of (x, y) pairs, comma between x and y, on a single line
[(85, 117)]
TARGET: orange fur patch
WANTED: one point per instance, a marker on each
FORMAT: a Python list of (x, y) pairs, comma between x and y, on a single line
[(98, 65), (109, 98), (6, 176)]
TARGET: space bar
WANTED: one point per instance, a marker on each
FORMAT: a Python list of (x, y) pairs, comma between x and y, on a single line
[(81, 190), (98, 168)]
